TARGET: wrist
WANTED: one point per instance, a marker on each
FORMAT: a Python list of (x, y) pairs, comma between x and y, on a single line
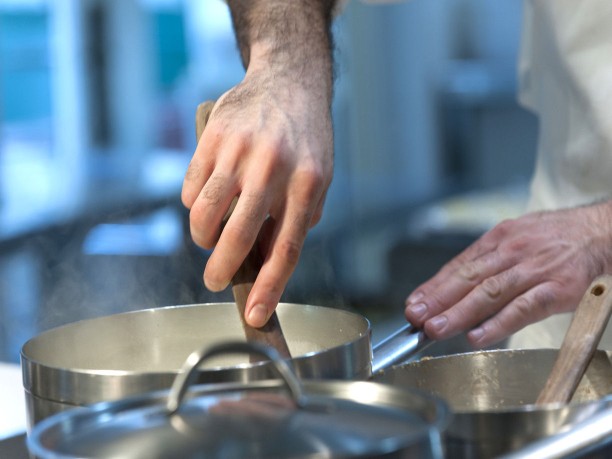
[(310, 72), (602, 223), (287, 40)]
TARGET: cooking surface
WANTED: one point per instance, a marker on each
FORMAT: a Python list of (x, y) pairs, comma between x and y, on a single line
[(14, 447)]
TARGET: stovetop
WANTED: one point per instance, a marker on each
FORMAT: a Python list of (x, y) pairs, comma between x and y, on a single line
[(14, 447)]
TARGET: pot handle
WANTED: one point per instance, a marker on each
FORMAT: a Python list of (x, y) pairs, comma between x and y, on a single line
[(187, 373), (399, 347)]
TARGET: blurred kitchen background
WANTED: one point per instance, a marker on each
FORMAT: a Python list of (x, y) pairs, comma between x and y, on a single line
[(97, 101)]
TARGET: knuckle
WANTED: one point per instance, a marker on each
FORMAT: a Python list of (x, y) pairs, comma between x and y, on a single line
[(517, 245), (191, 184), (212, 191), (492, 288), (504, 228), (313, 178), (194, 172), (197, 228), (274, 148), (536, 307), (523, 307), (469, 271), (242, 140), (289, 250), (545, 300)]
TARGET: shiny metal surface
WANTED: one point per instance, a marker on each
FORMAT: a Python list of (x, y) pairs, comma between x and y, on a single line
[(188, 372), (399, 347), (116, 356), (591, 436), (492, 393), (259, 419)]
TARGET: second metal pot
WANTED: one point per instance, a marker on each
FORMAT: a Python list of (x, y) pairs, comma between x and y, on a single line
[(492, 395)]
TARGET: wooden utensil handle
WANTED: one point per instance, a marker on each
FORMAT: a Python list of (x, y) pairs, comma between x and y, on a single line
[(242, 282), (580, 342)]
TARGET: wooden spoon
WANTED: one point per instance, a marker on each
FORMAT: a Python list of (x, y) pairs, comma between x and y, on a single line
[(242, 282), (580, 342)]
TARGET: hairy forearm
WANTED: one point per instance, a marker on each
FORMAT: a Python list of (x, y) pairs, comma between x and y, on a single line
[(601, 222), (290, 36)]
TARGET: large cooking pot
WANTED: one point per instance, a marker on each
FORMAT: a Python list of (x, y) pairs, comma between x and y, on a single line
[(492, 396), (282, 418), (120, 355)]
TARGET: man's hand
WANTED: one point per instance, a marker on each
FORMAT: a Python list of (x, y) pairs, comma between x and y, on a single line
[(520, 272), (277, 158), (268, 142)]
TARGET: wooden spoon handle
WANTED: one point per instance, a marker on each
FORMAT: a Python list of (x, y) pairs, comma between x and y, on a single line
[(580, 342), (242, 282)]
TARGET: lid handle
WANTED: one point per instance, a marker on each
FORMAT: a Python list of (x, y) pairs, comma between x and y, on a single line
[(188, 372)]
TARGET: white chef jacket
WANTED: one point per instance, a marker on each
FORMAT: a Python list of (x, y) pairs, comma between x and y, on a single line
[(565, 77)]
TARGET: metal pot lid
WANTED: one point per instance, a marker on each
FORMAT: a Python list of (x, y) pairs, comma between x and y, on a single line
[(263, 419)]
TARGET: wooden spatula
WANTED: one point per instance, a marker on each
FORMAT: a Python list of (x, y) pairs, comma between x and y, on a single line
[(580, 342), (242, 282)]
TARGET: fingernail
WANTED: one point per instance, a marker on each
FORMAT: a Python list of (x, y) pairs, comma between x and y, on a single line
[(418, 310), (476, 334), (416, 296), (438, 323), (258, 315)]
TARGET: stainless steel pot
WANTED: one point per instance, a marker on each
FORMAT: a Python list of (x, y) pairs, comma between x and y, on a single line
[(262, 419), (492, 395), (590, 437), (117, 356)]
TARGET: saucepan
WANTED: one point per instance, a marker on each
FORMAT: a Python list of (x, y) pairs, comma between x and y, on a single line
[(492, 396), (120, 355), (280, 418), (503, 400)]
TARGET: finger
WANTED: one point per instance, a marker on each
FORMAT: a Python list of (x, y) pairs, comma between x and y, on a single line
[(237, 239), (200, 167), (284, 250), (439, 296), (486, 299), (210, 207), (485, 245), (318, 212), (532, 306)]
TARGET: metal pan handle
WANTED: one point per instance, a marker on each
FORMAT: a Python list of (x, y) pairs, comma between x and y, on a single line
[(188, 372), (399, 347)]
